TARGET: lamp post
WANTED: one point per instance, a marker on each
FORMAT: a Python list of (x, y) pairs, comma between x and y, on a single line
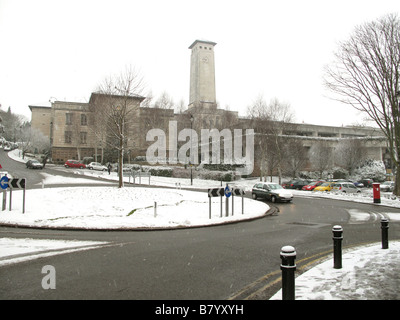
[(191, 150)]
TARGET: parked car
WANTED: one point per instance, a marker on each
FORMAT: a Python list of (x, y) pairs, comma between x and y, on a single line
[(358, 184), (271, 191), (367, 182), (346, 187), (387, 186), (96, 166), (326, 186), (296, 184), (74, 164), (34, 164), (312, 185)]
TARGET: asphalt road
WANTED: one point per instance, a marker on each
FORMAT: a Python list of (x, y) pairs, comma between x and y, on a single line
[(236, 261), (34, 177), (231, 261)]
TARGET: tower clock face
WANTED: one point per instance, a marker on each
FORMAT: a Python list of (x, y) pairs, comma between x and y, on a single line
[(205, 59)]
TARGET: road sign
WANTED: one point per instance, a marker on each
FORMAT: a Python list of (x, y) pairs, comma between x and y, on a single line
[(17, 183), (217, 192), (238, 192), (228, 191), (4, 182)]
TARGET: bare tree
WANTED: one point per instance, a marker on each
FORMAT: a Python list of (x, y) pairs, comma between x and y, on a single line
[(350, 154), (164, 101), (321, 157), (271, 122), (257, 112), (116, 100), (365, 75), (295, 156)]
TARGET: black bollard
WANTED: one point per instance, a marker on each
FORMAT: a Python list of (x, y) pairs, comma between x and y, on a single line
[(288, 267), (385, 231), (337, 246)]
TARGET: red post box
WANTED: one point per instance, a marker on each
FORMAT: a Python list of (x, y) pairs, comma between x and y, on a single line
[(377, 192)]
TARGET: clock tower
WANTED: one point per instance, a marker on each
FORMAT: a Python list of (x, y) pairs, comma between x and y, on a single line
[(202, 75)]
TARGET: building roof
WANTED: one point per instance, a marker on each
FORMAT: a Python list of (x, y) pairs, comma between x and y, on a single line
[(202, 41), (94, 95), (43, 107)]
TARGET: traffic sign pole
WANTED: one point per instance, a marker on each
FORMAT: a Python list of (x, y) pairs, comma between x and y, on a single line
[(4, 200), (10, 199)]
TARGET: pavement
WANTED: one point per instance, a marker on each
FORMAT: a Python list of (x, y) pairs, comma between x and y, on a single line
[(368, 273)]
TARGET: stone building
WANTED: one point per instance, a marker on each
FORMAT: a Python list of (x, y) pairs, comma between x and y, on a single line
[(74, 132)]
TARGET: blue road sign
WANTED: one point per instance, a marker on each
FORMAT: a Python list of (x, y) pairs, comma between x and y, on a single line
[(4, 182), (228, 192)]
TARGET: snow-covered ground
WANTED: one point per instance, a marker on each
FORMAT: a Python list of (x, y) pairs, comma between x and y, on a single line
[(124, 208), (368, 272), (18, 250), (109, 207)]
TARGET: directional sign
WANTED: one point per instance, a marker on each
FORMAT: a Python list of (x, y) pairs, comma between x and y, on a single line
[(228, 191), (238, 192), (17, 183), (217, 192), (4, 182)]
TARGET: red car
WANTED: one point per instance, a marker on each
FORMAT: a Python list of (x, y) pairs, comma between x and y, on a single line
[(74, 164), (312, 185)]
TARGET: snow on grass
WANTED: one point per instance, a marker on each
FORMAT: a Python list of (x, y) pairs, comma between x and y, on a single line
[(122, 208)]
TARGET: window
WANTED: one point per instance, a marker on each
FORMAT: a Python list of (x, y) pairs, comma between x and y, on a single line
[(68, 136), (83, 137), (68, 118), (83, 120)]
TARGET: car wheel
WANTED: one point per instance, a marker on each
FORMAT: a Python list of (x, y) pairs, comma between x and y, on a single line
[(273, 199), (254, 196)]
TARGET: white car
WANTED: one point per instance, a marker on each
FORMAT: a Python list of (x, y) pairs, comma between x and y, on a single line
[(345, 187), (96, 166), (387, 186)]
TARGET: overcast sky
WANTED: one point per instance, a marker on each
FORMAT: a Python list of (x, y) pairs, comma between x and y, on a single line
[(64, 49)]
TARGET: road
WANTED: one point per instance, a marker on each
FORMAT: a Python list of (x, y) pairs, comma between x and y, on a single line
[(237, 261), (34, 177)]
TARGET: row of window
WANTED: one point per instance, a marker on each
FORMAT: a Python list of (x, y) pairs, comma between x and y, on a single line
[(70, 116), (68, 137)]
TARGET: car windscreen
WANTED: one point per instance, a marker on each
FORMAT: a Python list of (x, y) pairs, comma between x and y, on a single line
[(275, 186)]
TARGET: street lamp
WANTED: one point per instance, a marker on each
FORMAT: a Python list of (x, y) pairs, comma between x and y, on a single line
[(191, 150)]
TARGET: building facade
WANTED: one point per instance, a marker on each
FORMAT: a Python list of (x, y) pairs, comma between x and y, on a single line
[(75, 132)]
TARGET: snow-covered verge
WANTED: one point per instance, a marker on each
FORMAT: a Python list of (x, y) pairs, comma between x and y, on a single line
[(123, 208), (365, 196), (15, 250), (368, 273)]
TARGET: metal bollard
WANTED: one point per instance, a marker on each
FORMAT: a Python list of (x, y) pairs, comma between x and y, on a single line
[(385, 236), (337, 246), (288, 267)]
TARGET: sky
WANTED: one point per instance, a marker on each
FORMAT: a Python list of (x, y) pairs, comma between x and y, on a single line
[(62, 50)]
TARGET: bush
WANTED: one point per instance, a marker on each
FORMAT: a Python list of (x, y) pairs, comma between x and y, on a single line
[(372, 169), (158, 171), (222, 167), (217, 175)]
